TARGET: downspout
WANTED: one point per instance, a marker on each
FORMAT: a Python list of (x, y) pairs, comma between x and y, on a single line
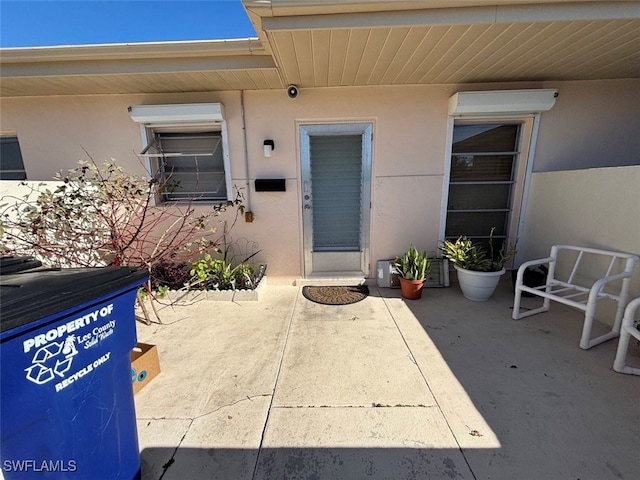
[(248, 215)]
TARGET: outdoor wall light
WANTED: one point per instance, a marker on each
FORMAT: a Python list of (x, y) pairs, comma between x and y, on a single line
[(269, 146)]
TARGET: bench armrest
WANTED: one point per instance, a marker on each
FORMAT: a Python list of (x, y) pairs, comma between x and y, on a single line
[(530, 263), (599, 284)]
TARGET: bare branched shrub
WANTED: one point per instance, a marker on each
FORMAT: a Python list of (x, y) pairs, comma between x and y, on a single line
[(102, 215)]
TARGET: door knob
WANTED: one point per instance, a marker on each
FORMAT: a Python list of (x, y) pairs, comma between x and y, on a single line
[(307, 207)]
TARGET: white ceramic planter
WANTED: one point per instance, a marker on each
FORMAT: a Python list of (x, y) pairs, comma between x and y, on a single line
[(478, 286)]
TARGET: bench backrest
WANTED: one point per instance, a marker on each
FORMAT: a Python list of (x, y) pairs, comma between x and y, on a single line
[(584, 265)]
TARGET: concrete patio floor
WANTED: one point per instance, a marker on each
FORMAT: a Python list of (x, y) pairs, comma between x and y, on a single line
[(438, 388)]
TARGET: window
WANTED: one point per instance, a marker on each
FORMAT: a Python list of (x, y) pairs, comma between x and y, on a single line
[(484, 160), (492, 140), (186, 144), (11, 165), (191, 164)]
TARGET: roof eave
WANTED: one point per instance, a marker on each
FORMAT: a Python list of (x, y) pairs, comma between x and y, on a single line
[(125, 51)]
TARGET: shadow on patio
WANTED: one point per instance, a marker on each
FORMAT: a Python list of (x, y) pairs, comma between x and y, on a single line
[(312, 463), (436, 388), (557, 411)]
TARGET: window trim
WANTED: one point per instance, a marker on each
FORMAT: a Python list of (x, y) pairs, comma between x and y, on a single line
[(204, 116)]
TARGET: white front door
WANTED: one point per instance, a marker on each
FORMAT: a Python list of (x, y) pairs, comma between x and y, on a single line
[(336, 192)]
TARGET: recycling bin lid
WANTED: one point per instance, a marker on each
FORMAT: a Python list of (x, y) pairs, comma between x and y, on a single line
[(13, 264), (33, 295)]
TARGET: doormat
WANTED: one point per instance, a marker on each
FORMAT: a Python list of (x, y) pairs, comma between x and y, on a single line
[(335, 295)]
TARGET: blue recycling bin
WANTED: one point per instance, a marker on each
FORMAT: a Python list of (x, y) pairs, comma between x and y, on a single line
[(66, 398)]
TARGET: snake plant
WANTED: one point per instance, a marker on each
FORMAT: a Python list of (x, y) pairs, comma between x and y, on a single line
[(472, 256), (413, 265)]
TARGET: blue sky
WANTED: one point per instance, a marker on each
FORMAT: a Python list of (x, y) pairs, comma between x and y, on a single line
[(30, 23)]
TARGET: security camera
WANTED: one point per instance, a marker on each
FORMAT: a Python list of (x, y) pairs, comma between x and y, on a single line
[(292, 91)]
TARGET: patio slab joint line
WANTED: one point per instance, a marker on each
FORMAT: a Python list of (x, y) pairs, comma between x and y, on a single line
[(428, 386), (171, 461), (235, 402), (275, 384), (373, 405)]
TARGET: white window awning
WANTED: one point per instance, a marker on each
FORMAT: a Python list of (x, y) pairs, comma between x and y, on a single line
[(502, 102), (178, 114), (152, 150)]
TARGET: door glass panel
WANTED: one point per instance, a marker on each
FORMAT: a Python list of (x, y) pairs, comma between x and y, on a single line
[(336, 178)]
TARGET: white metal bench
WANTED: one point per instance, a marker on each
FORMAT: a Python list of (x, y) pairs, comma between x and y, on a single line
[(627, 330), (583, 297)]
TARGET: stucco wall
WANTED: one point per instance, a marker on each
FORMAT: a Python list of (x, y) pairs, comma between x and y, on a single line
[(54, 131), (409, 139), (593, 124), (408, 161), (407, 166), (593, 207)]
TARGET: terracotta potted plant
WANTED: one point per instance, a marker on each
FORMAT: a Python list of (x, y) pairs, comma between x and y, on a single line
[(413, 268), (478, 273)]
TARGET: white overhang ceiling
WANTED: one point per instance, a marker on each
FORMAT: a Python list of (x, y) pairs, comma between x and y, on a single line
[(138, 68), (329, 43), (400, 43)]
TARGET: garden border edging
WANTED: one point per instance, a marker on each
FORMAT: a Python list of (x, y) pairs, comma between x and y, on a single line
[(177, 297)]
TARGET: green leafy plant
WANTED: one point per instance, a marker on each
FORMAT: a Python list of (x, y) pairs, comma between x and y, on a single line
[(473, 256), (221, 273), (413, 265), (162, 290)]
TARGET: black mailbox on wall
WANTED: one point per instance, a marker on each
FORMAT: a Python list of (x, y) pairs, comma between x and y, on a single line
[(271, 185)]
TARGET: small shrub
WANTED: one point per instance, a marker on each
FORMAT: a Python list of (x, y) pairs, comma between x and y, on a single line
[(413, 265), (171, 275), (216, 273), (473, 256), (225, 273)]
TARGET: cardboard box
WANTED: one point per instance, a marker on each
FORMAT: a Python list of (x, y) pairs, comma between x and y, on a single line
[(144, 365)]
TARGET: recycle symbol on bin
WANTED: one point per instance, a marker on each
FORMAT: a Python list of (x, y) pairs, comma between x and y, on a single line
[(53, 359)]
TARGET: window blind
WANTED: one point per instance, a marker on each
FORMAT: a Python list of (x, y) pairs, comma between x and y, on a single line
[(336, 170)]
